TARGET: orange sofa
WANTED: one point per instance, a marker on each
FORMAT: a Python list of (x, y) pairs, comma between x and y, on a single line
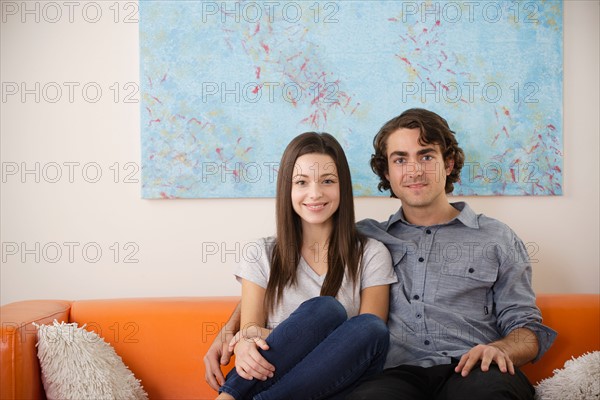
[(163, 340)]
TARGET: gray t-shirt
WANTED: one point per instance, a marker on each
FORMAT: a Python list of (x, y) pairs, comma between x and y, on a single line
[(376, 269)]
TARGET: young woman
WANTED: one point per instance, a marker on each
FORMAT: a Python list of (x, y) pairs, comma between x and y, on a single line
[(315, 297)]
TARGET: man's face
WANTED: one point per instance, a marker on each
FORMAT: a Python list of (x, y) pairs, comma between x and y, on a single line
[(417, 173)]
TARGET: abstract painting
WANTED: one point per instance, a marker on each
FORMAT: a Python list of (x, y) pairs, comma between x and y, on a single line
[(226, 85)]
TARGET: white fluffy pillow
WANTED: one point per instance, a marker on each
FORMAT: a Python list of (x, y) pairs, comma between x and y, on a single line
[(77, 364), (578, 380)]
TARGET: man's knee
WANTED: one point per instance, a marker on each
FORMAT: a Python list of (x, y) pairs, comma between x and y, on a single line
[(492, 384), (368, 392)]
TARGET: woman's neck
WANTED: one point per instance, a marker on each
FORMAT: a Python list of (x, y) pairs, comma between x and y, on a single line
[(315, 245), (313, 235)]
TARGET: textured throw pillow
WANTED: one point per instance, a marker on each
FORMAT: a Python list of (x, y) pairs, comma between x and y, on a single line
[(578, 380), (77, 364)]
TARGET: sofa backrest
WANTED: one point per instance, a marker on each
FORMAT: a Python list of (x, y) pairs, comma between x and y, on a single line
[(162, 340), (576, 318)]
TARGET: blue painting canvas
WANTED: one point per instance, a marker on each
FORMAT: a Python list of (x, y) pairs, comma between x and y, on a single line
[(226, 85)]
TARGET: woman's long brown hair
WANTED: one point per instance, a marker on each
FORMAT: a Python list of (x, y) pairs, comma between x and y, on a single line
[(345, 243)]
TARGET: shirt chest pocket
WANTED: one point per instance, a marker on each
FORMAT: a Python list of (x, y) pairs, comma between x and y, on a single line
[(482, 272), (466, 288)]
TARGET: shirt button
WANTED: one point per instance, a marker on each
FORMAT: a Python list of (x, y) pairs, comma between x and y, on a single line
[(416, 297), (428, 231), (421, 259), (426, 342), (445, 353), (471, 270), (418, 315)]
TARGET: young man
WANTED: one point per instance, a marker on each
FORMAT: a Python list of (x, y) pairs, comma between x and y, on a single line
[(462, 316)]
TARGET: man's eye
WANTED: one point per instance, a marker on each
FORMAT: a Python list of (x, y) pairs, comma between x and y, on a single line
[(399, 161), (427, 158)]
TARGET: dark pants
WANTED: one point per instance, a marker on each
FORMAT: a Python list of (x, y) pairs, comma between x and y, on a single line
[(442, 383)]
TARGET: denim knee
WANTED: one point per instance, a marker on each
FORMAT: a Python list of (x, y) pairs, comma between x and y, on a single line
[(372, 330), (327, 306), (375, 325)]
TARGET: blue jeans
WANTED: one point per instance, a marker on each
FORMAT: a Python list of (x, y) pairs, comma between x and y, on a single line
[(318, 354)]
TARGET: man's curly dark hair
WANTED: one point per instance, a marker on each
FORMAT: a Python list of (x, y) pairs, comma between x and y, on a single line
[(434, 130)]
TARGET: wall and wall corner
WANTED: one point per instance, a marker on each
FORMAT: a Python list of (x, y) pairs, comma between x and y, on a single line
[(81, 236)]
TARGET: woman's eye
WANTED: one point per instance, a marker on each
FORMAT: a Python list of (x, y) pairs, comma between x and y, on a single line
[(300, 182)]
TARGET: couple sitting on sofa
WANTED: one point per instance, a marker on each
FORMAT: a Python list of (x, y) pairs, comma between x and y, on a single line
[(316, 298)]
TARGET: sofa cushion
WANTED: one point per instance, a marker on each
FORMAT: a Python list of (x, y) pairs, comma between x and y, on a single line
[(77, 364), (578, 380)]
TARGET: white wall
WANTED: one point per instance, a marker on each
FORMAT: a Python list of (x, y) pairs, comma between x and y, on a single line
[(167, 237)]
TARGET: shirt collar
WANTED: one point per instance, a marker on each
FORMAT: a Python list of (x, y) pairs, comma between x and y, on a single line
[(467, 216)]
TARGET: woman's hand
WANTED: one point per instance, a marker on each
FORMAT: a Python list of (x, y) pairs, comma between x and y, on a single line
[(249, 363)]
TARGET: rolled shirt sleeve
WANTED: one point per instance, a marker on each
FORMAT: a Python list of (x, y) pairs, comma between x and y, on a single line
[(514, 298)]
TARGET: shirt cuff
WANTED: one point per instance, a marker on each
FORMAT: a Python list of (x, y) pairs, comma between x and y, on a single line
[(545, 337)]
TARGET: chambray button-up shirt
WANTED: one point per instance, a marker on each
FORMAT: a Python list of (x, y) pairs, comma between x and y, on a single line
[(460, 284)]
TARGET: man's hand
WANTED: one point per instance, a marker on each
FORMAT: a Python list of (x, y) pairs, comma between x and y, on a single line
[(486, 353), (249, 363), (218, 354), (517, 348)]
